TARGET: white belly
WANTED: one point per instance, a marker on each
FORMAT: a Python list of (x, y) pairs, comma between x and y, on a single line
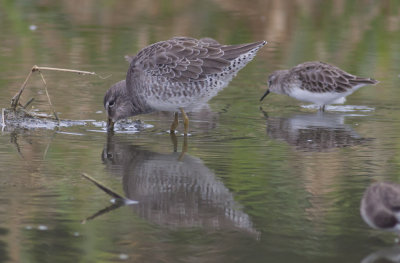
[(323, 98), (319, 98)]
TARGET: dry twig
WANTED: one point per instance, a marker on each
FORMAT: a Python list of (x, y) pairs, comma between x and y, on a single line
[(29, 102), (17, 96), (48, 97)]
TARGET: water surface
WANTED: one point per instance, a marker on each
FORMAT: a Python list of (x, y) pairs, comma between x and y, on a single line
[(276, 183)]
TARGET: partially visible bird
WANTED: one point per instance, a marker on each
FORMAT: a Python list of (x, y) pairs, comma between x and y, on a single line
[(380, 206), (316, 82), (176, 75)]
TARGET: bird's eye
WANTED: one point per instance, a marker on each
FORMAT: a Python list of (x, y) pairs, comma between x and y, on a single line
[(111, 103)]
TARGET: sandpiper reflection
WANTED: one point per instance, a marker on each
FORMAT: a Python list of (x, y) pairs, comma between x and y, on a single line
[(173, 189), (390, 254), (315, 132)]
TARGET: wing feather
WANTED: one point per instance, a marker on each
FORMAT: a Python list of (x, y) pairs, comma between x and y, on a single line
[(320, 77), (186, 59)]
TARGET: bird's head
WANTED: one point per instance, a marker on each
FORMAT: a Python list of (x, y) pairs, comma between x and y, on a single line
[(275, 82), (117, 104)]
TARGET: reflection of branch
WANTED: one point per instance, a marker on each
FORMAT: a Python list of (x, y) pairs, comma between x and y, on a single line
[(118, 202), (48, 146), (105, 188), (14, 139), (103, 211)]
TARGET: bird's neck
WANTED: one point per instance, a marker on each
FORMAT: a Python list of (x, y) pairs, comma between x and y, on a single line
[(137, 102)]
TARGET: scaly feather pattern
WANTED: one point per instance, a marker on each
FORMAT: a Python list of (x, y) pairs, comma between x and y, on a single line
[(320, 77)]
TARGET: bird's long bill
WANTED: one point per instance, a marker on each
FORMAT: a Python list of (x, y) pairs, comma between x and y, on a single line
[(265, 95), (110, 125)]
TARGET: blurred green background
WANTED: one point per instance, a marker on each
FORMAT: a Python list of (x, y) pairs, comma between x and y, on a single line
[(295, 180)]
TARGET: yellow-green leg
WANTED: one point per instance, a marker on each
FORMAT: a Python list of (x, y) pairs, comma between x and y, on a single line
[(174, 123), (184, 147), (174, 141), (185, 121)]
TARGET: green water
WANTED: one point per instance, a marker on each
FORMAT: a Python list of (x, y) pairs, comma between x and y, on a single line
[(279, 183)]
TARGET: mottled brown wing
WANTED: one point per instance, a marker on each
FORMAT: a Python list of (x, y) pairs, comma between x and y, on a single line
[(181, 59), (185, 59), (319, 77)]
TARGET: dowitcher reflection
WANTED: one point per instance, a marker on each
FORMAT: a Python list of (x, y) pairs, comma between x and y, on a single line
[(174, 190)]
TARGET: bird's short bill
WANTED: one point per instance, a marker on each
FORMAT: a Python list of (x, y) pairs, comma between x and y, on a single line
[(265, 95), (110, 125)]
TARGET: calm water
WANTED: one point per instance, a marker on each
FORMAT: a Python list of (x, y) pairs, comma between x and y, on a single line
[(280, 183)]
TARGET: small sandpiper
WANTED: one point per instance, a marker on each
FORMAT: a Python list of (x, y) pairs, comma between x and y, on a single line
[(175, 75), (380, 206), (316, 82)]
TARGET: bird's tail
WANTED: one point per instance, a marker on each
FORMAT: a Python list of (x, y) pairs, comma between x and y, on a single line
[(366, 81), (234, 51)]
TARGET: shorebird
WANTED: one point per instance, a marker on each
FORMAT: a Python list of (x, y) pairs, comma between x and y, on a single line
[(316, 82), (380, 206), (176, 75)]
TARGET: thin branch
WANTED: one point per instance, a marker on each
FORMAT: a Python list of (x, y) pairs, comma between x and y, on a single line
[(64, 70), (17, 96), (104, 188), (82, 72), (27, 104), (48, 97), (118, 202), (15, 99)]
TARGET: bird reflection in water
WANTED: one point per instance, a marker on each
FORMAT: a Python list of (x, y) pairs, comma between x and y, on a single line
[(390, 254), (316, 132), (174, 190)]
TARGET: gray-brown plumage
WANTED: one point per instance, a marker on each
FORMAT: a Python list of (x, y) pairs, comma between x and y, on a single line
[(316, 82), (380, 206), (176, 75), (314, 132), (173, 190)]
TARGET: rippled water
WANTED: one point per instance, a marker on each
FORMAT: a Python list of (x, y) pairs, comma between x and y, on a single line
[(270, 182)]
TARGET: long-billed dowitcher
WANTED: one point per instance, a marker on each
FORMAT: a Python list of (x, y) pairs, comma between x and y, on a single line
[(176, 75), (380, 206), (316, 82)]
